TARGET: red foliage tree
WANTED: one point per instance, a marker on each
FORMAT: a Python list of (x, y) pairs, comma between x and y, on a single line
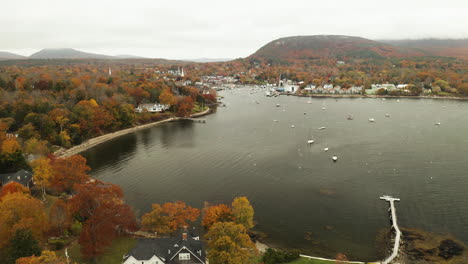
[(184, 106), (104, 213)]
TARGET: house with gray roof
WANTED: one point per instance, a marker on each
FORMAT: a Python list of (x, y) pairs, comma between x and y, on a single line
[(170, 250), (22, 177)]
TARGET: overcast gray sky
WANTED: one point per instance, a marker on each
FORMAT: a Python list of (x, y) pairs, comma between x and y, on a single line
[(215, 28)]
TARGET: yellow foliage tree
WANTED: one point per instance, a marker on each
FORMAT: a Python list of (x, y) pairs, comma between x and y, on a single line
[(229, 243), (46, 257), (243, 212), (10, 146), (42, 173)]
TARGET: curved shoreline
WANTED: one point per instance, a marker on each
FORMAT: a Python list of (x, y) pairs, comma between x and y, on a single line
[(92, 142)]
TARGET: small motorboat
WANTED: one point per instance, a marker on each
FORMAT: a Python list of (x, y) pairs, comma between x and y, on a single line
[(310, 141), (335, 158), (323, 108), (292, 126), (398, 100), (387, 115), (349, 117), (321, 128), (325, 149), (278, 105), (371, 120), (438, 124), (274, 120)]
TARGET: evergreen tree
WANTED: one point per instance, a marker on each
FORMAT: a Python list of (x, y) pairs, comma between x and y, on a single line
[(21, 245)]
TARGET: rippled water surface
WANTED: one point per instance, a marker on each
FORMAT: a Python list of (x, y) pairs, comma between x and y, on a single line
[(301, 198)]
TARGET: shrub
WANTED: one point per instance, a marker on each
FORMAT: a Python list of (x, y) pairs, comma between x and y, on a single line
[(273, 256)]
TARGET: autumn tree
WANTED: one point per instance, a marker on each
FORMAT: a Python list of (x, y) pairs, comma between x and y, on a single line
[(42, 173), (68, 171), (20, 211), (156, 221), (169, 217), (35, 147), (243, 212), (216, 213), (184, 106), (59, 217), (13, 187), (46, 257), (167, 98), (104, 214), (22, 244), (11, 156), (229, 243)]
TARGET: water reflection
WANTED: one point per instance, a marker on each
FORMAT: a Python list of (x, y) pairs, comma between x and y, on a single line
[(117, 150)]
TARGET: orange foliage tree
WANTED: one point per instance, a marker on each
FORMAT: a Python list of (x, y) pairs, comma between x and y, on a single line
[(68, 171), (167, 98), (216, 213), (169, 217), (13, 187), (21, 211)]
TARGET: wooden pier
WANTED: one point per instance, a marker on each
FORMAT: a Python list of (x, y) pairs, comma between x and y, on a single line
[(395, 227)]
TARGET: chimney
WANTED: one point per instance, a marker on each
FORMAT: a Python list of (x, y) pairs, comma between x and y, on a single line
[(184, 236)]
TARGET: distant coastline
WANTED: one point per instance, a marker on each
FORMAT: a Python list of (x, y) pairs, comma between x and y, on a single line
[(101, 139), (376, 96)]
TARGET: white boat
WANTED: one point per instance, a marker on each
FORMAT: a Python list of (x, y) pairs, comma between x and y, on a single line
[(349, 117), (443, 106), (323, 108), (325, 149), (310, 141), (321, 128), (387, 115), (268, 93), (274, 120), (398, 100), (292, 126), (371, 120), (438, 124), (278, 105), (334, 158)]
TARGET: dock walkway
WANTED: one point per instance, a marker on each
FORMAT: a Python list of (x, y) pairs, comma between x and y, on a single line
[(395, 227)]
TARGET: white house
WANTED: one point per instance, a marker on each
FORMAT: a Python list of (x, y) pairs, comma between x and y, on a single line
[(152, 108), (183, 249), (287, 86)]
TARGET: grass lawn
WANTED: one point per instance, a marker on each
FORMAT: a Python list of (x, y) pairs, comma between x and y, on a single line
[(113, 255)]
